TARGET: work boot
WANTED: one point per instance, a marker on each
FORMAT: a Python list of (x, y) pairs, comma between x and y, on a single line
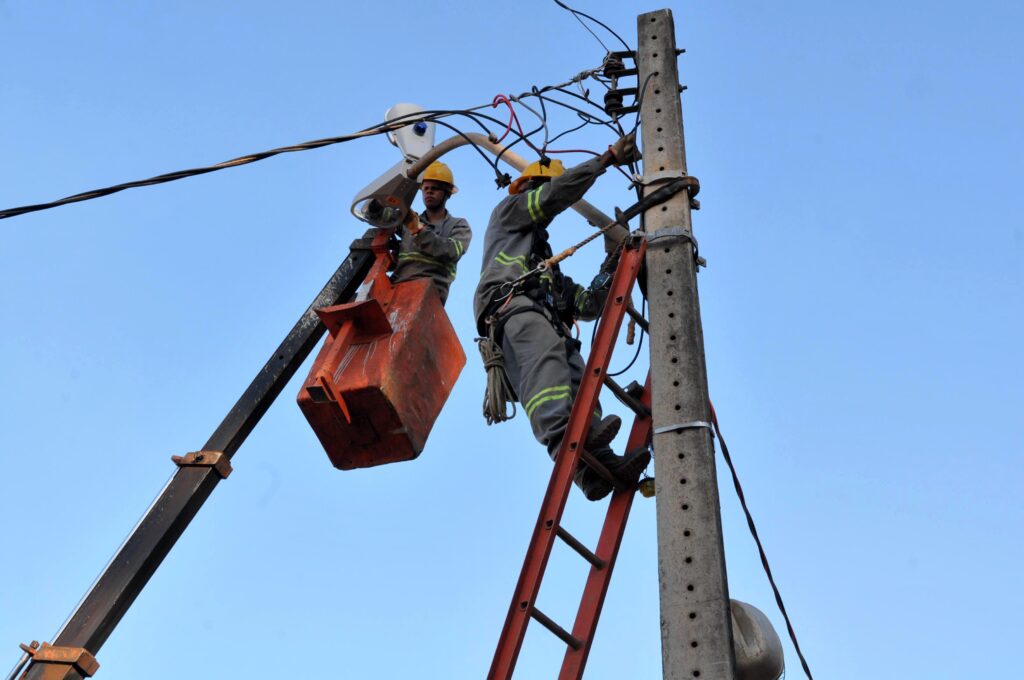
[(595, 489), (626, 468), (594, 486), (602, 434), (629, 467)]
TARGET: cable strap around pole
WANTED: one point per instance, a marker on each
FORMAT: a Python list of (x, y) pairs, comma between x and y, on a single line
[(691, 425)]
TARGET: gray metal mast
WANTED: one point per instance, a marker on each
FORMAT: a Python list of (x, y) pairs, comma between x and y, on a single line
[(696, 631)]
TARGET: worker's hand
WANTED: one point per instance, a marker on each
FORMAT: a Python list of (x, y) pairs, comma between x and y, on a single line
[(412, 223), (624, 150)]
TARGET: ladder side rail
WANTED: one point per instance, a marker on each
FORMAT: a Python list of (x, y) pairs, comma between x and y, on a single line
[(592, 600), (128, 572), (544, 533)]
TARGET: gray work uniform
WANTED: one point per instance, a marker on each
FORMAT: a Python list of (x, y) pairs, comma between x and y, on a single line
[(543, 364), (434, 252)]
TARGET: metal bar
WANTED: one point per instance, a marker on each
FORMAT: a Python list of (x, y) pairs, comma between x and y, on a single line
[(583, 550), (607, 551), (560, 633), (598, 467), (696, 630), (542, 541), (640, 320), (153, 537), (626, 398), (18, 666)]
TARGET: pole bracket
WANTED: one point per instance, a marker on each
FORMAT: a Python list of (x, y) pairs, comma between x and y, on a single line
[(215, 459), (678, 233), (83, 662)]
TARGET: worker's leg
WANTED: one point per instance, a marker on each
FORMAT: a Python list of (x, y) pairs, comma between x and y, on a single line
[(546, 371)]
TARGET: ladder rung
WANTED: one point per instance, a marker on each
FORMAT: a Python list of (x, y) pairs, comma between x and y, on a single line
[(559, 632), (600, 469), (626, 398), (636, 316), (584, 552)]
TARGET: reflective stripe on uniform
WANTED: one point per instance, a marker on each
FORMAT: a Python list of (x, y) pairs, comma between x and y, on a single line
[(426, 259), (458, 247), (580, 293), (544, 396), (533, 204), (509, 261)]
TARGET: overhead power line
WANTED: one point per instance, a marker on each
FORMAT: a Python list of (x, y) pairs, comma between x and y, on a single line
[(473, 113)]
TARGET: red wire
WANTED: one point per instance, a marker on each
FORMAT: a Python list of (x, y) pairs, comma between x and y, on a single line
[(502, 99)]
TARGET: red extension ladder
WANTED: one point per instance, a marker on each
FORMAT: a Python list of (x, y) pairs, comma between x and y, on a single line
[(602, 561)]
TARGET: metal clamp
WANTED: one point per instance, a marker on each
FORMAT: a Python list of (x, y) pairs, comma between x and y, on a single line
[(678, 233), (691, 425), (78, 657), (215, 459)]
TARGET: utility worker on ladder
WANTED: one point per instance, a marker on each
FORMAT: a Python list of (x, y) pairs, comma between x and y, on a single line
[(526, 321), (433, 241)]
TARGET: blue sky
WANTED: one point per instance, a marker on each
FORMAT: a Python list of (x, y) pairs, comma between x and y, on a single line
[(860, 169)]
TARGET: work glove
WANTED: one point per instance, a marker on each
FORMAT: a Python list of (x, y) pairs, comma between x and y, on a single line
[(624, 150), (412, 223)]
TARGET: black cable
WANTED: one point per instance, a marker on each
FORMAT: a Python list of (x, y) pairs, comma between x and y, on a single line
[(757, 540), (597, 121), (562, 134), (578, 14), (640, 100), (522, 138), (639, 344), (381, 128)]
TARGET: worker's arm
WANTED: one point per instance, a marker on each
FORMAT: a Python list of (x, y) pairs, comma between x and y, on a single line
[(521, 212), (444, 249), (590, 301), (549, 199)]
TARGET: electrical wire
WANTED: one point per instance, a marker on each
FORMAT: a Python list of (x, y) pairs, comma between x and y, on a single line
[(639, 343), (757, 540), (640, 100), (578, 14), (379, 129)]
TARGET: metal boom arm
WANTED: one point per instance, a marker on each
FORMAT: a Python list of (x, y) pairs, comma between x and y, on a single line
[(167, 518)]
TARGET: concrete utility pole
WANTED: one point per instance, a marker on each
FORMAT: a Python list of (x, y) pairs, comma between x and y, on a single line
[(696, 629)]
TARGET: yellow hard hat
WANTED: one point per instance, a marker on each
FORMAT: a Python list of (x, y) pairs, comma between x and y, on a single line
[(554, 168), (439, 172)]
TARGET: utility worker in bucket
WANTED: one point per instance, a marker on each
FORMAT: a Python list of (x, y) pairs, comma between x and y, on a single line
[(433, 241), (528, 320)]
